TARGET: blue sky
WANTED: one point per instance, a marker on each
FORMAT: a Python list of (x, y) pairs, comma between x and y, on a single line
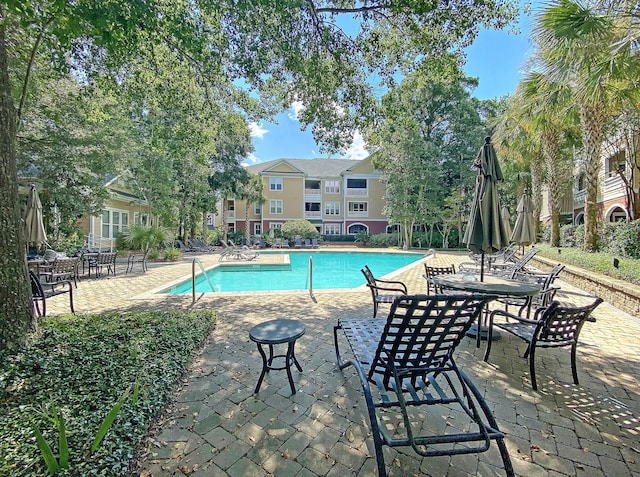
[(496, 58)]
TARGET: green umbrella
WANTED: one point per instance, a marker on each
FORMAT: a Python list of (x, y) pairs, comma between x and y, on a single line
[(34, 225), (524, 230), (485, 231)]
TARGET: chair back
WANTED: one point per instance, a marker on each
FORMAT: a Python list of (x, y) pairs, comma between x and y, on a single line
[(431, 272), (106, 258), (371, 281), (65, 266), (421, 334), (561, 325)]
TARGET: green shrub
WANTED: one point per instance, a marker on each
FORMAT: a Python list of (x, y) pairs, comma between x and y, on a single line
[(154, 255), (383, 240), (172, 254), (302, 227), (621, 238), (81, 365), (568, 235)]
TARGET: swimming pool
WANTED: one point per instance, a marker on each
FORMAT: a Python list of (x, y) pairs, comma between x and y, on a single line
[(330, 270)]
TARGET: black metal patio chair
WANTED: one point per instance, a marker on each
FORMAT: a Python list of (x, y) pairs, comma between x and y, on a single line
[(553, 326), (382, 291), (430, 272), (405, 363), (41, 291)]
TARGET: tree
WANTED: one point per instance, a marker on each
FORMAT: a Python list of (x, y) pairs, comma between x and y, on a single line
[(289, 50), (252, 193), (429, 126), (576, 47)]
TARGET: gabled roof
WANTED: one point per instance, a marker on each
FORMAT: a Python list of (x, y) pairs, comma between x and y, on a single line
[(319, 167)]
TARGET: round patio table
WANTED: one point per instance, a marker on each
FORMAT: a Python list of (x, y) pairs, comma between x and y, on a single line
[(277, 332), (491, 285)]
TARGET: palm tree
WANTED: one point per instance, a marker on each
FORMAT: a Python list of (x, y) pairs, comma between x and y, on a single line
[(575, 44), (252, 193)]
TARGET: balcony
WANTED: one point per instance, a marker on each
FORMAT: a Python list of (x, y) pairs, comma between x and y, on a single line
[(312, 192), (312, 214), (359, 214), (231, 214), (578, 198), (357, 192), (613, 186)]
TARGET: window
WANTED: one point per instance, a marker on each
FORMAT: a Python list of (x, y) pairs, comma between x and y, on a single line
[(332, 229), (356, 183), (209, 219), (275, 183), (357, 228), (312, 206), (615, 164), (275, 206), (114, 222), (332, 208), (140, 219), (257, 229), (332, 187), (276, 225), (581, 183), (257, 208), (357, 206)]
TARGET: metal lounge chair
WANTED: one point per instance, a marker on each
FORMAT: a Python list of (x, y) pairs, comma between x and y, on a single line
[(62, 268), (552, 327), (547, 290), (382, 291), (184, 248), (406, 364)]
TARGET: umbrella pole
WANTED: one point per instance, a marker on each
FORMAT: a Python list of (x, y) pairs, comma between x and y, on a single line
[(482, 266)]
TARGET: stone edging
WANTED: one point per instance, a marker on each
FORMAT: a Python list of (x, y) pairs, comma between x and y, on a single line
[(621, 294)]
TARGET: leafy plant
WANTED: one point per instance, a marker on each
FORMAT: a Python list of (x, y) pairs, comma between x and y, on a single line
[(82, 361), (145, 238), (301, 227), (172, 254), (53, 464)]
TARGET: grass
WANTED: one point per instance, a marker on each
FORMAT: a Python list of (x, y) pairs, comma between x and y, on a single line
[(600, 262), (79, 366)]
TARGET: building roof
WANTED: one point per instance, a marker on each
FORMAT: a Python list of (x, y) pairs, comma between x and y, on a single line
[(310, 167)]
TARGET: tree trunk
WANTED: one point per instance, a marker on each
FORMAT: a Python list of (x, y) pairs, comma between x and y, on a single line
[(590, 118), (16, 313), (247, 232), (536, 187), (557, 177)]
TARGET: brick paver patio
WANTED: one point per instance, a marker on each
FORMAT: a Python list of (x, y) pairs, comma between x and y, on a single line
[(217, 426)]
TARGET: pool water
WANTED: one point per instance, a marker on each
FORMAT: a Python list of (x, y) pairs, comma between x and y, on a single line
[(330, 270)]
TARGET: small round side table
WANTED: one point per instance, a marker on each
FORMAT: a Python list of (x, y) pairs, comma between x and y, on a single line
[(276, 332)]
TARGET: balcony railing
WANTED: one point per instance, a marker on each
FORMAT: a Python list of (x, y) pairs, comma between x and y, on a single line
[(613, 185), (358, 214), (357, 192), (312, 213), (231, 214), (578, 198), (312, 192)]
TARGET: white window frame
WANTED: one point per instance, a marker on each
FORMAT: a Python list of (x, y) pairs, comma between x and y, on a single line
[(276, 225), (140, 218), (112, 228), (331, 187), (257, 208), (257, 229), (332, 229), (275, 206), (362, 206), (275, 183), (332, 208)]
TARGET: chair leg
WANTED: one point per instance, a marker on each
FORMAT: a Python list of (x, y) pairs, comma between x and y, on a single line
[(71, 299), (375, 308), (532, 370), (574, 368), (341, 365)]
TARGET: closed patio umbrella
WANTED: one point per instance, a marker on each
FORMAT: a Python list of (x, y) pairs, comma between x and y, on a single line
[(506, 219), (524, 230), (34, 225), (485, 232)]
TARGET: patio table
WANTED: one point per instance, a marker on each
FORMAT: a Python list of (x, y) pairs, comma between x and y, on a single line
[(500, 287)]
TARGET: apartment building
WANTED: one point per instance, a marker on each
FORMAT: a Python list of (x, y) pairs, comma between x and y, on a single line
[(613, 194), (338, 196)]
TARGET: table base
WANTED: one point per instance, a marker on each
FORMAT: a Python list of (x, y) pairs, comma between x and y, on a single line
[(484, 333)]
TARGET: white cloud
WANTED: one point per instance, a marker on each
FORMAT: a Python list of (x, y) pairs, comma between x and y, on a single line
[(257, 130), (296, 108), (251, 159), (357, 149)]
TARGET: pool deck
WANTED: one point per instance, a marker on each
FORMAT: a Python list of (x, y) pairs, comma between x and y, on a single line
[(216, 426)]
